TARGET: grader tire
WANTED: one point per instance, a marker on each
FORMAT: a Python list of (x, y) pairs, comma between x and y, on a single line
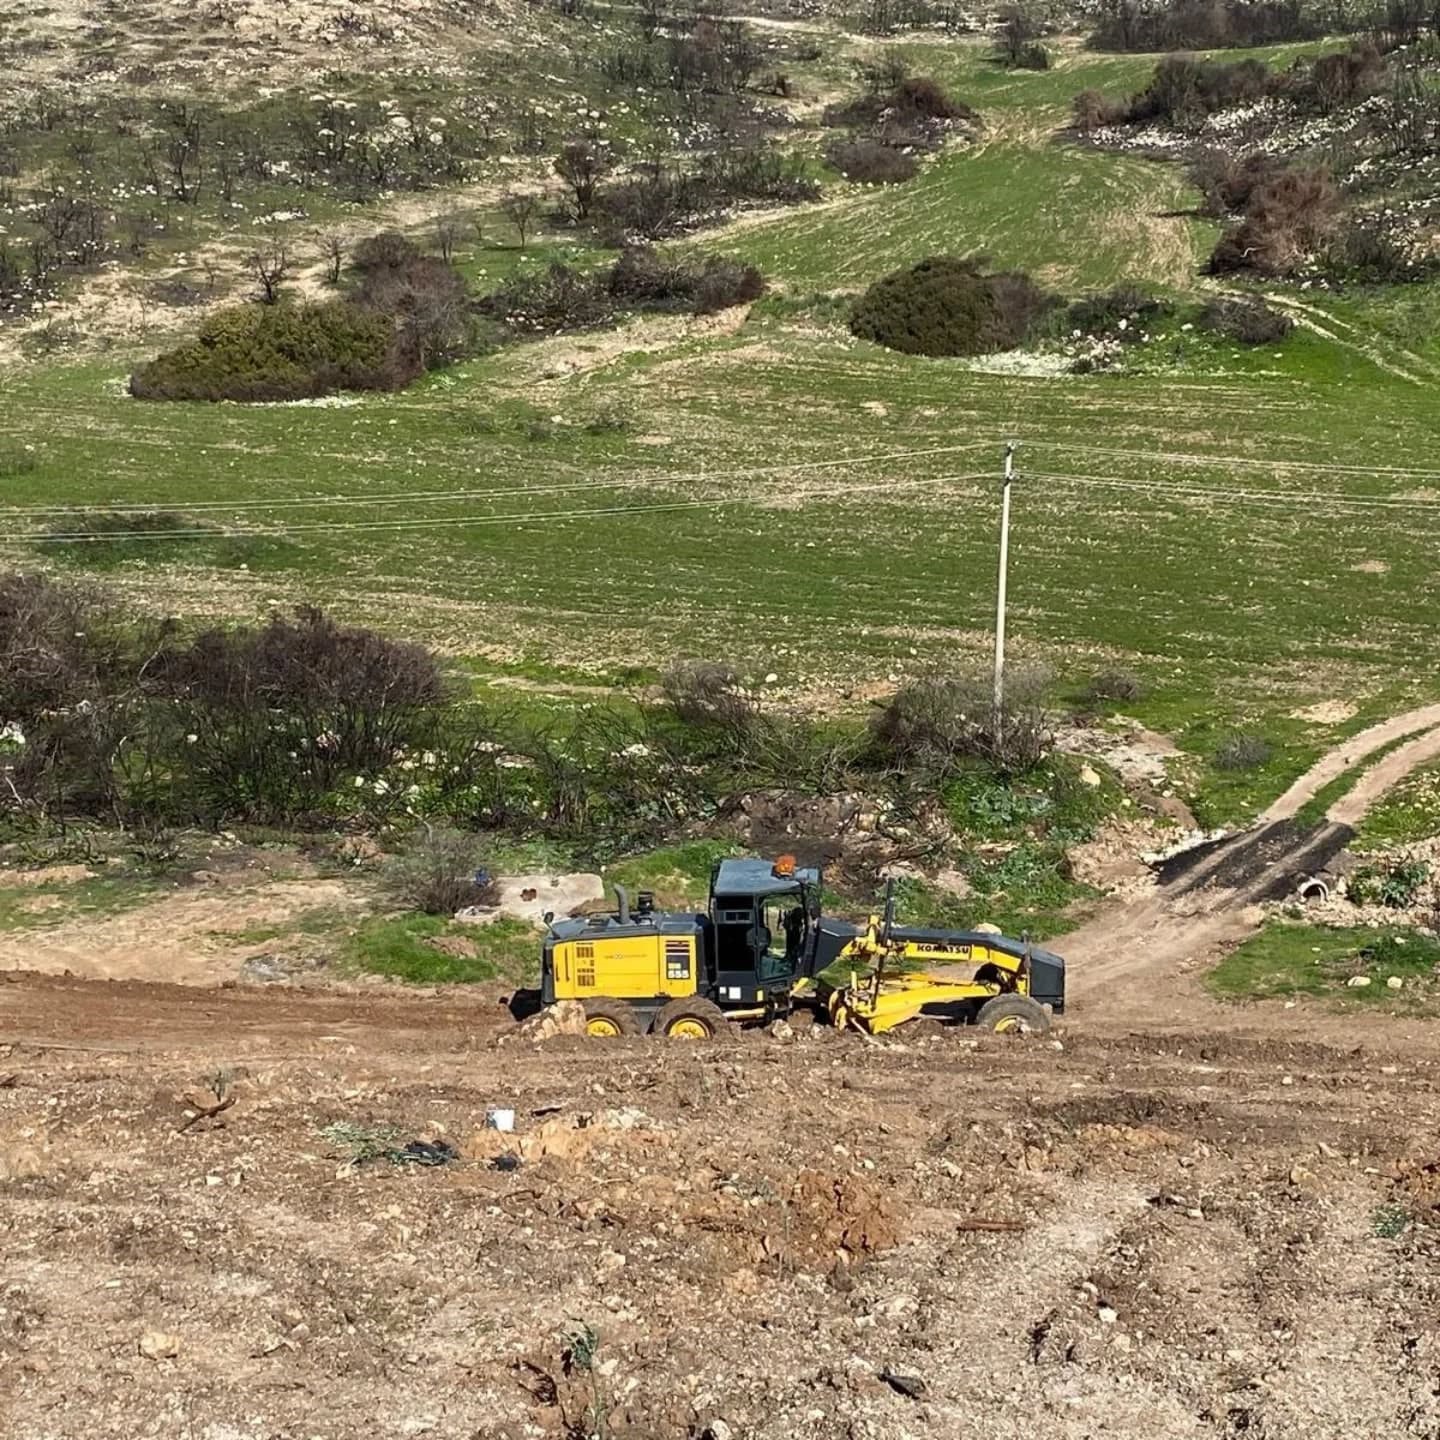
[(1013, 1015), (690, 1018), (610, 1019)]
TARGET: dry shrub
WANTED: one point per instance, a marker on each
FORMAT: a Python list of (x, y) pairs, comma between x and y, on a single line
[(550, 301), (1226, 182), (1289, 218), (1092, 110), (1249, 322), (708, 694), (645, 279), (1205, 24), (937, 724), (1242, 751), (1184, 90), (388, 250), (1341, 78), (427, 301), (1115, 683), (871, 162), (440, 871), (1105, 311)]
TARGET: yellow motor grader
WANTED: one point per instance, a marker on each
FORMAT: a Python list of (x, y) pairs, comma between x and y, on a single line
[(762, 948)]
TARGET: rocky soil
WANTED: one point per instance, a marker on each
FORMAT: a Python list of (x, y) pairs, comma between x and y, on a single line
[(1199, 1226)]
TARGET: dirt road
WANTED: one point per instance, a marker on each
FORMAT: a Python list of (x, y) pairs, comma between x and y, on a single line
[(1175, 1219), (1138, 957), (1206, 1240)]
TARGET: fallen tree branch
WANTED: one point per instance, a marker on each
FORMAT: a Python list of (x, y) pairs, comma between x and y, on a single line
[(982, 1225)]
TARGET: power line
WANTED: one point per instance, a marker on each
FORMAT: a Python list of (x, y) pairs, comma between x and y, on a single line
[(1186, 457), (416, 496), (1312, 500), (517, 519)]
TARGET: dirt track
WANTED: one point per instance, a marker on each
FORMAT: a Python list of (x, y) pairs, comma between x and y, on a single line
[(1137, 956), (1180, 1219), (756, 1229)]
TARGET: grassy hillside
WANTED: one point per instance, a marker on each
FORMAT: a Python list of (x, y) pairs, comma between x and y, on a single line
[(1250, 529)]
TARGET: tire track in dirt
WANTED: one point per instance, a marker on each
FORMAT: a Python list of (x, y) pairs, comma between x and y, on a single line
[(1349, 752), (1305, 315)]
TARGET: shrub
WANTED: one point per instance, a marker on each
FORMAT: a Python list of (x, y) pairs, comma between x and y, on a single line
[(949, 306), (278, 352), (439, 872), (1091, 110), (1106, 311), (1397, 884), (935, 725), (1205, 25), (1250, 322), (871, 162), (1289, 218), (1114, 683), (1242, 751)]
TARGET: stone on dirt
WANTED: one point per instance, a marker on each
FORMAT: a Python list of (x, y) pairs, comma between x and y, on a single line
[(565, 1017), (157, 1345)]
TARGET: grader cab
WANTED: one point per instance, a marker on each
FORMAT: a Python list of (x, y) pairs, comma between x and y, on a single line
[(763, 948)]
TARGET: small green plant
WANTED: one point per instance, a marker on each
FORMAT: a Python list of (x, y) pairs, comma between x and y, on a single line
[(582, 1342), (612, 416), (17, 461), (361, 1143), (1387, 1222), (1396, 885)]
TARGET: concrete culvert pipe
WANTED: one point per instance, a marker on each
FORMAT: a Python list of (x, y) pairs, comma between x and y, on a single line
[(1313, 888)]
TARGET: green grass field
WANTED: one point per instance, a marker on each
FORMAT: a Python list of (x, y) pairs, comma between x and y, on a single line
[(1288, 960), (1252, 531)]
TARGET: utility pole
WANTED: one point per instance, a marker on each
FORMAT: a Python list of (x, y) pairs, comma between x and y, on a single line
[(1004, 575)]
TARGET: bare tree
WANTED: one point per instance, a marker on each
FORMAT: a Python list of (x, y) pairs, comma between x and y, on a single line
[(332, 251), (521, 208), (175, 160), (651, 17), (268, 264), (582, 164), (448, 229)]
